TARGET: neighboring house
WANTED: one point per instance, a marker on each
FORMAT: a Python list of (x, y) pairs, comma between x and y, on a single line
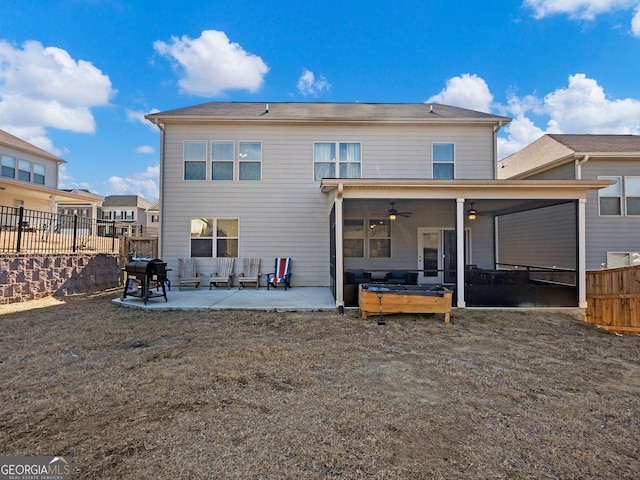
[(29, 178), (612, 213), (153, 216), (125, 209), (315, 182)]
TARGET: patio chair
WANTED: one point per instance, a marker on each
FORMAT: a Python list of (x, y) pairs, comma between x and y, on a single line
[(250, 272), (188, 273), (224, 274), (282, 274)]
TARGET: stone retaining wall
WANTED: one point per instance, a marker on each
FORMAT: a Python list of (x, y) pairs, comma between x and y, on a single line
[(26, 277)]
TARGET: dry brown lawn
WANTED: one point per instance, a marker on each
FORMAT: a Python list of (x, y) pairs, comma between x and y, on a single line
[(252, 395)]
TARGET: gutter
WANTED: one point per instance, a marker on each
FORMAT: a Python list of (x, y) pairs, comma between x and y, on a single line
[(579, 164)]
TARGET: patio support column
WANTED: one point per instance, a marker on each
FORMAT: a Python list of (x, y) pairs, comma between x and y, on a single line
[(582, 254), (339, 249), (460, 252)]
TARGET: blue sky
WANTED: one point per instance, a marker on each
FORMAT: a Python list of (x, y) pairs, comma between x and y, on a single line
[(77, 76)]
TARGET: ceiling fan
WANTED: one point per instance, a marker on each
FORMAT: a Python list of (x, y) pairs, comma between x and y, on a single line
[(472, 212), (393, 213)]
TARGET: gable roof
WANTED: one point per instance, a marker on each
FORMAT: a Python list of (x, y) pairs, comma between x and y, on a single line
[(326, 112), (552, 150), (587, 144), (11, 141), (126, 201)]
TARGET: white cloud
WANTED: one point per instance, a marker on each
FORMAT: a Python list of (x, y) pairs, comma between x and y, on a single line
[(520, 133), (635, 23), (210, 64), (308, 85), (145, 149), (581, 107), (585, 9), (138, 115), (466, 91), (582, 9), (43, 87), (144, 184)]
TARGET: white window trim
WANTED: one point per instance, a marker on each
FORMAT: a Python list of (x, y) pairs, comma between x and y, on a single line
[(206, 156), (455, 158), (233, 160), (214, 235), (620, 196), (336, 161), (368, 238), (249, 161), (624, 191)]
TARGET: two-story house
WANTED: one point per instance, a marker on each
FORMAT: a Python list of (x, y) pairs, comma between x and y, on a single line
[(612, 213), (29, 178), (128, 211), (348, 187)]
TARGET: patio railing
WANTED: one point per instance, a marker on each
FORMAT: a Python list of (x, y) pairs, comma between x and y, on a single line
[(33, 231)]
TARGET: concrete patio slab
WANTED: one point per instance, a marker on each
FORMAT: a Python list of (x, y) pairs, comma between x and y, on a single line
[(294, 299)]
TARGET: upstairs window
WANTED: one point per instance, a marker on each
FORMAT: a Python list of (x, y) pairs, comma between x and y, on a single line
[(222, 157), (8, 166), (250, 160), (195, 160), (443, 161), (610, 198), (337, 160), (38, 174), (24, 170), (632, 195)]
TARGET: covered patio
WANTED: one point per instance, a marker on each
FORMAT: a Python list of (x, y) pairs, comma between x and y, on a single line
[(430, 221)]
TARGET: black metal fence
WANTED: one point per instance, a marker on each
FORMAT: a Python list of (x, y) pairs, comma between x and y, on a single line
[(32, 231)]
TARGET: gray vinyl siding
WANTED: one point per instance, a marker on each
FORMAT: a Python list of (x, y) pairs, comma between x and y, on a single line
[(545, 237), (609, 233), (482, 250), (51, 167), (285, 213), (563, 172)]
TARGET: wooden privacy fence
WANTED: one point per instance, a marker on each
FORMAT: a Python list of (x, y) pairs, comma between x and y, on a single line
[(613, 299)]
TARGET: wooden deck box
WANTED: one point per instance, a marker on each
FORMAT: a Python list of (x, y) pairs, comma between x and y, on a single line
[(382, 299)]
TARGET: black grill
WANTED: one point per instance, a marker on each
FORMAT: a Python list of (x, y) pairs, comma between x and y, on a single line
[(148, 272)]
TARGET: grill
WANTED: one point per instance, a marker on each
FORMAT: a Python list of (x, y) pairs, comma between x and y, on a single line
[(142, 273)]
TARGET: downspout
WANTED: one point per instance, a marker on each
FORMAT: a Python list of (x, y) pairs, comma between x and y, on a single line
[(338, 202), (160, 126), (496, 129), (579, 164)]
